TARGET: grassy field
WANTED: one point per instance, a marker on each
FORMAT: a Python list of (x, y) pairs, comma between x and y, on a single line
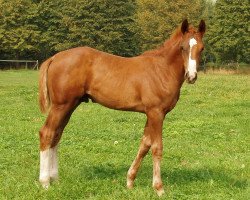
[(206, 145)]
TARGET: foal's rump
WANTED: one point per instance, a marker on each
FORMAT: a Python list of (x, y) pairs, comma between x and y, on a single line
[(58, 76)]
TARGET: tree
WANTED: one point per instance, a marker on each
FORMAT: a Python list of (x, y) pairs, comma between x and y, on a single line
[(53, 32), (158, 18), (40, 28), (104, 24), (18, 36), (229, 31)]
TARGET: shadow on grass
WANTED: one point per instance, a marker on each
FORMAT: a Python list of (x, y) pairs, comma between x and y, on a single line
[(206, 175), (173, 176)]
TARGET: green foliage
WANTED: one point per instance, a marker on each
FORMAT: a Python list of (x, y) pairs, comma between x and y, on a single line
[(18, 35), (206, 145), (42, 28), (37, 29), (158, 18), (228, 36), (103, 24)]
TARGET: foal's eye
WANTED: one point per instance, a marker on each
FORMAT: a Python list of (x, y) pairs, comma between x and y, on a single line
[(202, 48), (182, 48)]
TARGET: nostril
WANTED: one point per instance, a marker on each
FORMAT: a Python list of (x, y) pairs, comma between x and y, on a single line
[(191, 78), (195, 75)]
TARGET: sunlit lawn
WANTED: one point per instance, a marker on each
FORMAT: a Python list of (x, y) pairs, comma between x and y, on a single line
[(206, 144)]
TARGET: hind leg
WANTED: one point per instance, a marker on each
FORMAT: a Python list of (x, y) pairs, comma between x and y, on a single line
[(50, 135), (53, 168)]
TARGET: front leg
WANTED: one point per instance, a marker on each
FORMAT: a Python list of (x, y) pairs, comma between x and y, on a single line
[(155, 123), (143, 150)]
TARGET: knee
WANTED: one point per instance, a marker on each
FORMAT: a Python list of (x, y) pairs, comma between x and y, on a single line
[(147, 142), (157, 150)]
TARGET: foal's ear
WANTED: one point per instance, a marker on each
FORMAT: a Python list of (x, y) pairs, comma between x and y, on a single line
[(202, 27), (184, 26)]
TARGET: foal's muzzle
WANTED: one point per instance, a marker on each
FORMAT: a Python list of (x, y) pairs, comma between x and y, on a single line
[(191, 78)]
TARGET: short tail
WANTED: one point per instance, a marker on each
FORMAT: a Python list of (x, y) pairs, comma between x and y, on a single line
[(44, 99)]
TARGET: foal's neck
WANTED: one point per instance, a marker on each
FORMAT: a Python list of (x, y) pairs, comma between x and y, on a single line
[(173, 58), (170, 51)]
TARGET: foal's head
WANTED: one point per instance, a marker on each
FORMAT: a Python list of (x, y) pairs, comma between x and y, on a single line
[(192, 47)]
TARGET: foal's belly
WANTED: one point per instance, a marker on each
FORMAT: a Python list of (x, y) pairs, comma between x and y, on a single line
[(117, 99)]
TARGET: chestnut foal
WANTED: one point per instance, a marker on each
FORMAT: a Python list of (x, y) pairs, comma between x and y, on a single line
[(149, 83)]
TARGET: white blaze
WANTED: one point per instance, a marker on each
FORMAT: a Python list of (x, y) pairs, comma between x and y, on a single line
[(192, 63)]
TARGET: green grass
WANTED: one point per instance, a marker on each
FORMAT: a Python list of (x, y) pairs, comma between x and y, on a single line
[(206, 144)]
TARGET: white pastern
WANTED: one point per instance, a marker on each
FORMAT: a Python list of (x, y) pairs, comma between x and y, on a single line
[(129, 183), (192, 63), (54, 164), (45, 167)]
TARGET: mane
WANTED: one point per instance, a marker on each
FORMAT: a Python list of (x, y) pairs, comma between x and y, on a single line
[(176, 34), (173, 39)]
